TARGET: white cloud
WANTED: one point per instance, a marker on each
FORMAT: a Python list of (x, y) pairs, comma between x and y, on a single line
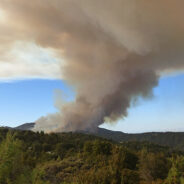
[(27, 60)]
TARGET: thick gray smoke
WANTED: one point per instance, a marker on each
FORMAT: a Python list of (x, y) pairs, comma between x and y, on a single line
[(114, 51)]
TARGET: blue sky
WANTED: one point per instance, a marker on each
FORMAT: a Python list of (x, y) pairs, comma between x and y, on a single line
[(27, 100), (164, 112)]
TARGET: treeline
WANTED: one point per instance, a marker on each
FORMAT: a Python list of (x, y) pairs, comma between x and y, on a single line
[(172, 139), (73, 158)]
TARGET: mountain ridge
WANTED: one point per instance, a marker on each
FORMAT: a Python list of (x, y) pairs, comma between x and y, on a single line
[(171, 139)]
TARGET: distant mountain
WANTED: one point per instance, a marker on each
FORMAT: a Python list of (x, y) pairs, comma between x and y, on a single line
[(172, 139), (26, 126)]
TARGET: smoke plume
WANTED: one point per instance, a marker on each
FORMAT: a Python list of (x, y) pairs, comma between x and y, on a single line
[(114, 51)]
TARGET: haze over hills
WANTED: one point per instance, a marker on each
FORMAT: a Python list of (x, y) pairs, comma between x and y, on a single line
[(171, 139)]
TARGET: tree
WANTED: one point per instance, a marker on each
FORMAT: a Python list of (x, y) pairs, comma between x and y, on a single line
[(153, 166), (12, 169), (175, 175), (102, 147), (129, 177)]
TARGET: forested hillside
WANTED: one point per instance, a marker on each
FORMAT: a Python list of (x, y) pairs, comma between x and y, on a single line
[(75, 158), (172, 139)]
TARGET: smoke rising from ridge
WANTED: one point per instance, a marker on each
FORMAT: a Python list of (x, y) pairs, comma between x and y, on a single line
[(114, 51)]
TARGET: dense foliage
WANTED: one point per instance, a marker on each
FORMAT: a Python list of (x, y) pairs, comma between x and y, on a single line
[(74, 158)]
